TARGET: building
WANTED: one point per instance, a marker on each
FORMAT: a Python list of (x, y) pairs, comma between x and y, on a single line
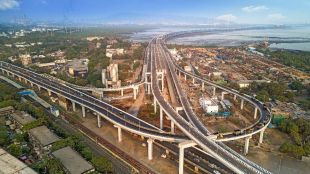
[(72, 162), (25, 59), (209, 105), (11, 165), (110, 52), (42, 65), (78, 67), (110, 76), (187, 69), (92, 38), (42, 139), (246, 83), (19, 119)]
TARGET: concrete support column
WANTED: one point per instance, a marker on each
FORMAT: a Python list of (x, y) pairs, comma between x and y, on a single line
[(19, 78), (122, 92), (155, 107), (214, 91), (83, 112), (150, 148), (134, 93), (261, 136), (246, 145), (203, 86), (223, 93), (241, 105), (182, 146), (31, 84), (172, 126), (235, 97), (161, 113), (185, 77), (49, 92), (98, 120), (255, 112), (119, 133), (149, 89), (193, 80), (39, 87), (73, 106), (162, 82)]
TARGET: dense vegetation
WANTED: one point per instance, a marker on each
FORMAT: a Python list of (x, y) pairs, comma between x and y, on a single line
[(299, 131), (13, 144), (297, 59)]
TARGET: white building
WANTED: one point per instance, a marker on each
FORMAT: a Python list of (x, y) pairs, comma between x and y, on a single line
[(187, 68), (110, 76), (25, 59), (209, 105), (110, 52)]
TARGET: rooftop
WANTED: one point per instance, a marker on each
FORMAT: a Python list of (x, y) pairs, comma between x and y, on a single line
[(22, 117), (11, 165), (43, 135), (72, 161)]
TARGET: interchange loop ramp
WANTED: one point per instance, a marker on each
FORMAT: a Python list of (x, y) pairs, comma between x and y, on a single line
[(220, 153)]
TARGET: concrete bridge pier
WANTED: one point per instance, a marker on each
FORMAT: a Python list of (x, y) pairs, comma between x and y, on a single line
[(83, 112), (261, 136), (214, 91), (161, 118), (246, 145), (135, 92), (155, 107), (73, 106), (49, 92), (119, 133), (149, 88), (255, 112), (98, 120), (122, 92), (242, 103), (185, 77), (172, 126), (182, 146), (150, 148), (193, 81), (235, 97), (203, 86)]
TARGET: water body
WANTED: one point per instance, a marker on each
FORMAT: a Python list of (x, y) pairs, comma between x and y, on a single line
[(288, 37)]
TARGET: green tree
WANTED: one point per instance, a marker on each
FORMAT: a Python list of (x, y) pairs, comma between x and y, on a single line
[(102, 164), (296, 85), (15, 150), (4, 138), (262, 96)]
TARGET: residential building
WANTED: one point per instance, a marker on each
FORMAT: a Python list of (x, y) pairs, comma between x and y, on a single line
[(78, 67), (19, 119), (25, 59), (11, 165), (72, 162), (110, 76), (110, 52), (42, 139)]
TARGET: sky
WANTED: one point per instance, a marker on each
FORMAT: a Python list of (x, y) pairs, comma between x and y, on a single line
[(158, 11)]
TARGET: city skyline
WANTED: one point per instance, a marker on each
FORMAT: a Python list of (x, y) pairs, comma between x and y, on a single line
[(157, 12)]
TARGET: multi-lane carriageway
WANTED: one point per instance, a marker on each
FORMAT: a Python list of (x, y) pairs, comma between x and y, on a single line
[(227, 157), (115, 116), (125, 121)]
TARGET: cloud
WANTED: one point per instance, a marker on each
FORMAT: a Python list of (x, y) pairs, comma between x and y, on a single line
[(227, 18), (276, 16), (253, 8), (8, 4)]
